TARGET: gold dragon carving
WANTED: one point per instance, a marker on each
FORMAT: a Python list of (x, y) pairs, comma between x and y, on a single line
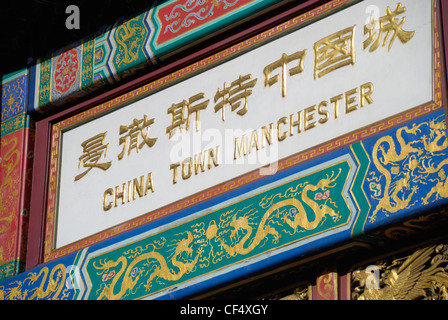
[(128, 35), (409, 162), (421, 275), (162, 271), (391, 156), (128, 271), (52, 286), (300, 219)]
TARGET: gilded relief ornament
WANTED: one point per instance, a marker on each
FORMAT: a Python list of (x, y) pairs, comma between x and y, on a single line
[(302, 292), (420, 276), (409, 168)]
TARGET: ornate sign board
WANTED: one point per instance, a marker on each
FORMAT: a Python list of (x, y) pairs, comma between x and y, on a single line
[(177, 141)]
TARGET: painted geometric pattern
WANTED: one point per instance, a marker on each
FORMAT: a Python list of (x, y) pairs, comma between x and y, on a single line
[(102, 51), (337, 197), (176, 21), (14, 93), (179, 18), (132, 45)]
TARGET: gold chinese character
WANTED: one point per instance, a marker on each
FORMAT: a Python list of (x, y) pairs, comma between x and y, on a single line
[(233, 95), (281, 63), (388, 24), (93, 149), (178, 119), (334, 52), (134, 131)]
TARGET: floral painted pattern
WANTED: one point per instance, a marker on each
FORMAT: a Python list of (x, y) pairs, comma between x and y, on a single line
[(66, 70)]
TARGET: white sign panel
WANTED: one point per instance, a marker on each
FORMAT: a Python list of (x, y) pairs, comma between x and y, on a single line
[(358, 66)]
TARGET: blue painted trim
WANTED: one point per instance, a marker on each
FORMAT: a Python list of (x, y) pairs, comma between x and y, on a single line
[(31, 88)]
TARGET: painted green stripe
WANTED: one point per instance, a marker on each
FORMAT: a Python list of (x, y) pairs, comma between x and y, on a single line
[(11, 269), (357, 190), (88, 48), (18, 122), (14, 75)]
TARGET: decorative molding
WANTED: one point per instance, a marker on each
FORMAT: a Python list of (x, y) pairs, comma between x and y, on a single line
[(133, 45)]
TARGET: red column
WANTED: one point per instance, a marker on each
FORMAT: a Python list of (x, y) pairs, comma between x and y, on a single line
[(326, 287), (16, 153)]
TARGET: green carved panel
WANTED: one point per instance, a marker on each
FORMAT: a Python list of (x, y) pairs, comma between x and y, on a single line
[(298, 209)]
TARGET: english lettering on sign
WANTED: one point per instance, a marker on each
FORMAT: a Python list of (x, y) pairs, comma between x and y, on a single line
[(304, 88), (127, 192)]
